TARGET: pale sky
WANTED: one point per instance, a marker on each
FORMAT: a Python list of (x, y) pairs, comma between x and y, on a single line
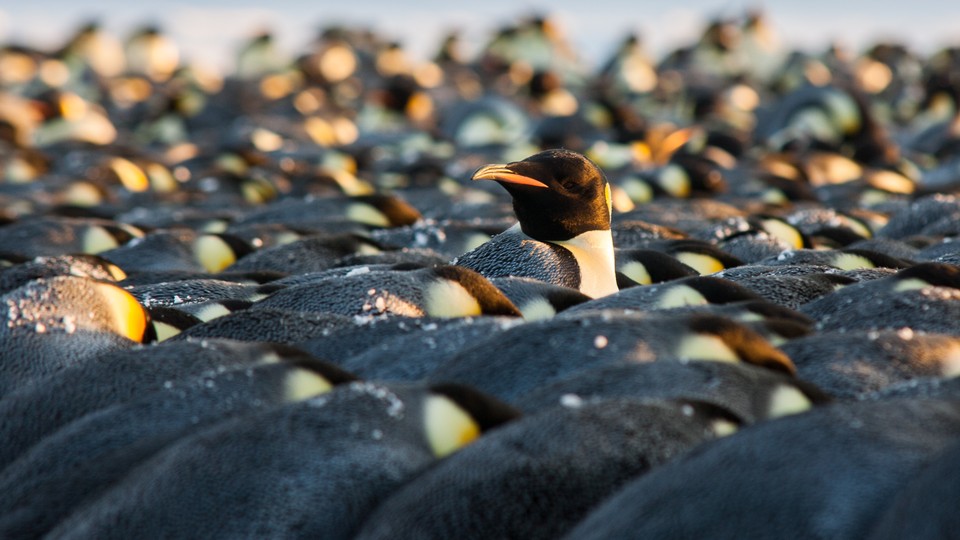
[(210, 30)]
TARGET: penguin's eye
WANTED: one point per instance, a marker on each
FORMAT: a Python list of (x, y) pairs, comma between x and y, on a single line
[(568, 184)]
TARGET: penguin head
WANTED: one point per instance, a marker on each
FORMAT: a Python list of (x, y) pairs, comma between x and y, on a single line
[(557, 194)]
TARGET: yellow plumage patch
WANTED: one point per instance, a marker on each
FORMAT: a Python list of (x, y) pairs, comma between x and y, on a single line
[(303, 384), (96, 239), (213, 253), (445, 298), (681, 295), (787, 400), (448, 427), (705, 347), (127, 317), (704, 264)]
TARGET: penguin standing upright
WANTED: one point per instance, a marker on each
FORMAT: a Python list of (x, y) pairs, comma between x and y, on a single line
[(563, 205)]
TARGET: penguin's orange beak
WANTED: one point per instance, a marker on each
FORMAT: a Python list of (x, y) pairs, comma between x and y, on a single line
[(502, 173)]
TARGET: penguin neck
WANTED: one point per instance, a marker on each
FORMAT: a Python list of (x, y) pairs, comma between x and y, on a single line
[(593, 251)]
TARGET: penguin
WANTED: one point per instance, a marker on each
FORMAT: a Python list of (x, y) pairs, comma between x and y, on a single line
[(305, 278), (258, 57), (40, 236), (750, 393), (537, 299), (629, 71), (403, 256), (923, 387), (753, 245), (38, 409), (794, 291), (313, 213), (52, 323), (635, 233), (213, 220), (151, 53), (29, 355), (896, 249), (775, 323), (516, 360), (688, 176), (750, 271), (949, 258), (922, 298), (440, 291), (316, 467), (696, 218), (209, 310), (447, 236), (563, 206), (312, 253), (265, 325), (780, 229), (835, 237), (843, 259), (941, 250), (696, 290), (922, 216), (413, 355), (647, 266), (143, 278), (538, 476), (811, 220), (704, 257), (178, 249), (921, 509), (826, 116), (95, 48), (868, 274), (827, 473), (81, 265), (258, 235), (185, 292), (749, 311), (68, 118), (851, 364), (168, 322), (341, 344), (85, 457)]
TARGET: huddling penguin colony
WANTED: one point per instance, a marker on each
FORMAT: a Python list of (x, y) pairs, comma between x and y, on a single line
[(268, 305)]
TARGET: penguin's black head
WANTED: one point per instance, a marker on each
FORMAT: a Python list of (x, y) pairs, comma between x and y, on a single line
[(557, 194)]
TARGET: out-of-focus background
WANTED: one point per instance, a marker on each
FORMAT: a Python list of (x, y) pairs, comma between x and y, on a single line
[(209, 31)]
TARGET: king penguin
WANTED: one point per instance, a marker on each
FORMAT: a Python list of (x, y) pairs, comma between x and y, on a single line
[(827, 473), (563, 204), (310, 469)]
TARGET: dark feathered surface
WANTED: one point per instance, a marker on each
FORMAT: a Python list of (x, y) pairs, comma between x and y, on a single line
[(463, 242)]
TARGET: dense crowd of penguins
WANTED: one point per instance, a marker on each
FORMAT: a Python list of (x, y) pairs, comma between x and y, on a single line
[(240, 306)]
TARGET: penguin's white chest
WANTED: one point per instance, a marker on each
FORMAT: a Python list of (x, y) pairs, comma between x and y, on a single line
[(593, 251)]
